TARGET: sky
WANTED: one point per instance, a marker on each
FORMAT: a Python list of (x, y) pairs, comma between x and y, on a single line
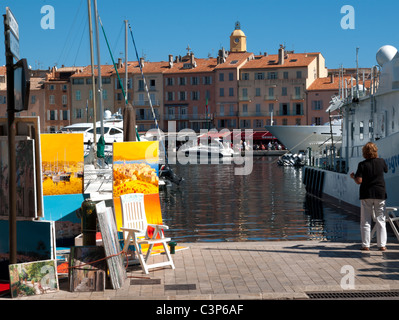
[(163, 27)]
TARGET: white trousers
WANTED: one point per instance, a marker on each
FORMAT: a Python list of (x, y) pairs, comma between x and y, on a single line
[(370, 208)]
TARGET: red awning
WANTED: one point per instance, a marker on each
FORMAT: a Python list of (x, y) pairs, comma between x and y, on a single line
[(255, 135)]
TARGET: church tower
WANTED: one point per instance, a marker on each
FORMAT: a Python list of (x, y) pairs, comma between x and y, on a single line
[(238, 40)]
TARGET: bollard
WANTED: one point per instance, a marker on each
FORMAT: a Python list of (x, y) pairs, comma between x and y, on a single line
[(172, 246), (88, 217)]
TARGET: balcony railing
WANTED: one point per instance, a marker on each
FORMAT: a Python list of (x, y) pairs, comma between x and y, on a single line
[(193, 117), (271, 97), (145, 103)]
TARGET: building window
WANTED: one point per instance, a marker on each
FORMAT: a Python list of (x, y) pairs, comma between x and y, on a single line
[(260, 76), (285, 121), (231, 92), (258, 108), (317, 105), (182, 81), (169, 81), (221, 92), (195, 95), (258, 123), (78, 81), (77, 95), (221, 111), (105, 80), (244, 93), (52, 99), (245, 76), (52, 87), (257, 92), (298, 109), (105, 94), (53, 115), (32, 99), (284, 91), (299, 74), (231, 76), (361, 130), (285, 74), (194, 80), (182, 95), (298, 121), (272, 75), (207, 80), (65, 115), (244, 108), (64, 99), (79, 113), (371, 126), (170, 96), (221, 76), (271, 107), (284, 109)]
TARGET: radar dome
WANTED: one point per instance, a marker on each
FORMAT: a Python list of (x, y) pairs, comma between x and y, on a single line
[(386, 54), (107, 114)]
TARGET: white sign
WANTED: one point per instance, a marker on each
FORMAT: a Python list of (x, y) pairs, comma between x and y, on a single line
[(13, 43), (12, 23)]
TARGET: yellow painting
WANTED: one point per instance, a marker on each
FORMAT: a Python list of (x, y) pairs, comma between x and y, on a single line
[(62, 163), (135, 168)]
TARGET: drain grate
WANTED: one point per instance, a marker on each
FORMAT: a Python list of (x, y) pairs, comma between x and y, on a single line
[(180, 286), (353, 294)]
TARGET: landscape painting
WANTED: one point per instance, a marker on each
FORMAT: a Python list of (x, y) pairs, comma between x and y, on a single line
[(33, 278), (62, 163)]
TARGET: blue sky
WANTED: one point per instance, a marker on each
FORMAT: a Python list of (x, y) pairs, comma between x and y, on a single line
[(162, 27)]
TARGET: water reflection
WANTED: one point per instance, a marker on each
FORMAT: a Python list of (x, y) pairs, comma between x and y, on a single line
[(213, 204)]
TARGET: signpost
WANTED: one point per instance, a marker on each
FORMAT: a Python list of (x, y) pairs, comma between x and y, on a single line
[(20, 88)]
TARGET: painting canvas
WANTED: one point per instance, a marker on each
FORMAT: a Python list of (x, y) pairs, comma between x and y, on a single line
[(87, 269), (109, 234), (135, 170), (33, 278), (62, 163), (28, 127), (26, 200)]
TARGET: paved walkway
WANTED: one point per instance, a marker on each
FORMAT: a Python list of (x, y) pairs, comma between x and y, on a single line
[(255, 271)]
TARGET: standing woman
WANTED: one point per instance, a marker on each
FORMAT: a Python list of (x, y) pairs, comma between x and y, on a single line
[(372, 195)]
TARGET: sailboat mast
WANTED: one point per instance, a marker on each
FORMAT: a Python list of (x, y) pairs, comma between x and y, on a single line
[(93, 80), (126, 75), (100, 85)]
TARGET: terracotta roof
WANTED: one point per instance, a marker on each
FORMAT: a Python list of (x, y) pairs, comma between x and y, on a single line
[(326, 83), (271, 61), (106, 71), (202, 65), (149, 67), (235, 59)]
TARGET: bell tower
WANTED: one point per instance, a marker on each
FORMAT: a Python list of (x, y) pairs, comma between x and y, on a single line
[(238, 40)]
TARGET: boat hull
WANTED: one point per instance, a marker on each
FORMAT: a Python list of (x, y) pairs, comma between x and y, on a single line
[(299, 138)]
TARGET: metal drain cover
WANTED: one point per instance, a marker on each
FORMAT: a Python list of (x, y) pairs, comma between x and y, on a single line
[(353, 294), (180, 286)]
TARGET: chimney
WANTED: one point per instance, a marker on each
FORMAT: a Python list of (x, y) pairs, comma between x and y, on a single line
[(281, 54), (119, 63), (142, 62), (170, 61), (192, 60), (332, 77)]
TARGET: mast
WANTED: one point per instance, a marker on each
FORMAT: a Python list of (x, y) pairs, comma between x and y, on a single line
[(93, 80), (126, 76), (100, 85)]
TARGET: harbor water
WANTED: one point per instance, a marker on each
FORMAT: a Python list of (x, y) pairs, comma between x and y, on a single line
[(214, 205)]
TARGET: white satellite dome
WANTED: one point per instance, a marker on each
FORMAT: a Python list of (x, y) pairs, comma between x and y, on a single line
[(386, 54), (107, 114)]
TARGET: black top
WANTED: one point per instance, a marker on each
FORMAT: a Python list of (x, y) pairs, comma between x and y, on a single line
[(372, 173)]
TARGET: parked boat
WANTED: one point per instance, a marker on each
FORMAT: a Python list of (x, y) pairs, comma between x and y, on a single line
[(299, 138), (368, 116), (216, 148)]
